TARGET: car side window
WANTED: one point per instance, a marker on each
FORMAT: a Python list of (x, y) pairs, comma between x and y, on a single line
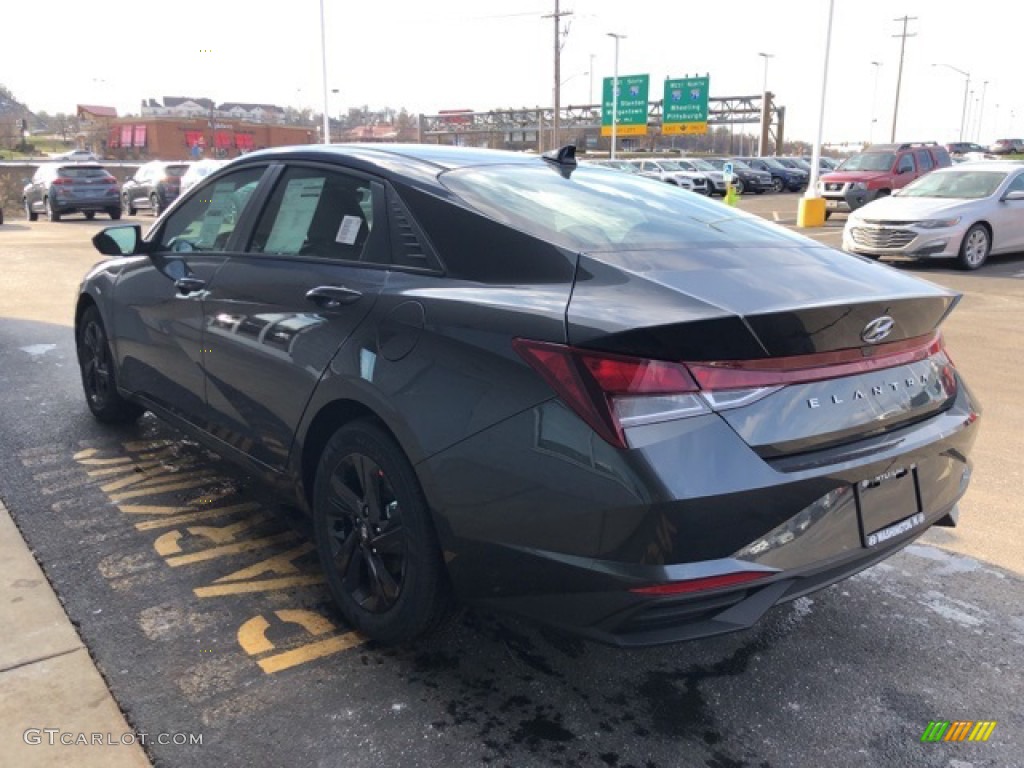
[(924, 160), (1017, 185), (906, 164), (319, 213), (208, 218)]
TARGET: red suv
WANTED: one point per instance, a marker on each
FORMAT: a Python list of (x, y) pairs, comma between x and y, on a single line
[(876, 172)]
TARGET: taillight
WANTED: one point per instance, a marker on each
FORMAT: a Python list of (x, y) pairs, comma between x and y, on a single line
[(613, 392), (61, 181), (110, 180)]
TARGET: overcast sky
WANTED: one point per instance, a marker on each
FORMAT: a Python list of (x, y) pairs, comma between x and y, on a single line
[(484, 54)]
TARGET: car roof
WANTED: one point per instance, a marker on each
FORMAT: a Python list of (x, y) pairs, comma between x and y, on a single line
[(1004, 166), (443, 157)]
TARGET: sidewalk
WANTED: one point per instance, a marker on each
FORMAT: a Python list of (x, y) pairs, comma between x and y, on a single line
[(47, 678)]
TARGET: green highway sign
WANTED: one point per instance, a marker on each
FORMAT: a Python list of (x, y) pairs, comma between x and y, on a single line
[(685, 108), (632, 106)]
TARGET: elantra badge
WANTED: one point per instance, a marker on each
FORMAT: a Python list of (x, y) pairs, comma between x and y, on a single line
[(877, 329)]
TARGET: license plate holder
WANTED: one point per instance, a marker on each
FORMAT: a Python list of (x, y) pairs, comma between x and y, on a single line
[(889, 505), (831, 203)]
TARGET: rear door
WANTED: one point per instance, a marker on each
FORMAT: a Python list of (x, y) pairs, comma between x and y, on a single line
[(278, 312), (1008, 223)]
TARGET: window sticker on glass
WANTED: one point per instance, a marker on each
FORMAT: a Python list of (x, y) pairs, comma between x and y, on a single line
[(216, 214), (349, 230), (294, 216)]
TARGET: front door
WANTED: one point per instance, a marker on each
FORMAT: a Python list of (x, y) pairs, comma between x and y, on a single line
[(158, 314)]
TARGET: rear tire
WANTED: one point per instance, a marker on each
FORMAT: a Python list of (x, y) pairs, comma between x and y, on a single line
[(99, 378), (114, 213), (975, 247), (376, 539), (154, 204), (90, 215), (51, 214), (126, 206), (29, 213), (827, 214)]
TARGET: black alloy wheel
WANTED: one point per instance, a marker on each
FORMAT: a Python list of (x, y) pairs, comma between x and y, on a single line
[(375, 538), (98, 378), (777, 185)]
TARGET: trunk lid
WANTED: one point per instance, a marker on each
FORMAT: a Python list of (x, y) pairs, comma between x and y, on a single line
[(760, 307)]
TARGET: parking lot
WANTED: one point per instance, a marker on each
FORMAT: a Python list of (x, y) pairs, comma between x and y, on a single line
[(202, 604)]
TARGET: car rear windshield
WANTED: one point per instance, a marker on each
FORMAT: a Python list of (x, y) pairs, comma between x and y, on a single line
[(83, 173), (869, 161), (964, 185), (175, 170), (601, 210)]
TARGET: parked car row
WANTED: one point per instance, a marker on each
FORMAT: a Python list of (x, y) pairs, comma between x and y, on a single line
[(59, 189), (1007, 147), (706, 176)]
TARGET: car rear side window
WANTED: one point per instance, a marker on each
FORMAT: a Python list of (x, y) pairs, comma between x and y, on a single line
[(318, 213), (175, 170), (924, 160), (208, 218), (599, 210)]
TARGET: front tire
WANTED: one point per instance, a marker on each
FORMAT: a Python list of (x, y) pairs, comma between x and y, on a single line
[(975, 247), (777, 185), (738, 186), (99, 380), (154, 204), (126, 206), (375, 537)]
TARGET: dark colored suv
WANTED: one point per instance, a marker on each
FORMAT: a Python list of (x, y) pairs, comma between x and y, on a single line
[(745, 178), (877, 171), (59, 189), (783, 178), (154, 186)]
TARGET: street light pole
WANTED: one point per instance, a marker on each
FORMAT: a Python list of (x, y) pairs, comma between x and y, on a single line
[(615, 92), (981, 111), (967, 85), (323, 57), (764, 95), (591, 80), (899, 76), (874, 100)]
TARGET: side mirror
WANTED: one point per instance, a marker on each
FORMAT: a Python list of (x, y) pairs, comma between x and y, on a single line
[(1017, 194), (123, 240)]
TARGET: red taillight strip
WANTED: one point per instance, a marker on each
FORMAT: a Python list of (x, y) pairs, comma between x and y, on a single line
[(701, 585), (799, 369)]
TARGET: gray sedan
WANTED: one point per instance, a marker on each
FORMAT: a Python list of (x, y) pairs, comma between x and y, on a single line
[(967, 212)]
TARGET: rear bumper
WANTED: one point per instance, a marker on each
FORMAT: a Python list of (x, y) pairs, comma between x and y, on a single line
[(539, 517)]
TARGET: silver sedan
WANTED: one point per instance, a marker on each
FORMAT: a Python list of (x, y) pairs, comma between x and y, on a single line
[(967, 212)]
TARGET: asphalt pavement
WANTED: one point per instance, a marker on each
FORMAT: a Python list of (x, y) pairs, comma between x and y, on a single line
[(201, 604)]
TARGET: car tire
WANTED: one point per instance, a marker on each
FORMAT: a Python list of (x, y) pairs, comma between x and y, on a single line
[(114, 213), (738, 186), (51, 214), (827, 214), (154, 204), (29, 213), (778, 185), (975, 247), (90, 215), (99, 378), (375, 537), (126, 206)]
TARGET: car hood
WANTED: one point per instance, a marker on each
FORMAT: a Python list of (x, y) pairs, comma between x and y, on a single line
[(845, 176), (897, 208)]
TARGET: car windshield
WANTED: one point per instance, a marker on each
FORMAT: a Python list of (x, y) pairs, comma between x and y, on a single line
[(670, 165), (739, 164), (597, 211), (701, 165), (176, 170), (771, 162), (964, 185), (869, 161)]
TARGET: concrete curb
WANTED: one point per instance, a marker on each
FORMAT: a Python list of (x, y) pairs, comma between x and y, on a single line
[(55, 708)]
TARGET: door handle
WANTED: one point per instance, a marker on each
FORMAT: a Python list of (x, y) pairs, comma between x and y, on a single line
[(332, 296), (187, 285)]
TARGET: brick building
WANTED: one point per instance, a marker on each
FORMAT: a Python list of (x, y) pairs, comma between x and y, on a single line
[(155, 138)]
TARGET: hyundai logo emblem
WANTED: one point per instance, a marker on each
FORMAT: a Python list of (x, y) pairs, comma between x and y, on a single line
[(878, 329)]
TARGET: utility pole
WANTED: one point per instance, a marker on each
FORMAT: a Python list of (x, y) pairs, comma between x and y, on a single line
[(981, 111), (899, 76), (874, 99), (557, 16)]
